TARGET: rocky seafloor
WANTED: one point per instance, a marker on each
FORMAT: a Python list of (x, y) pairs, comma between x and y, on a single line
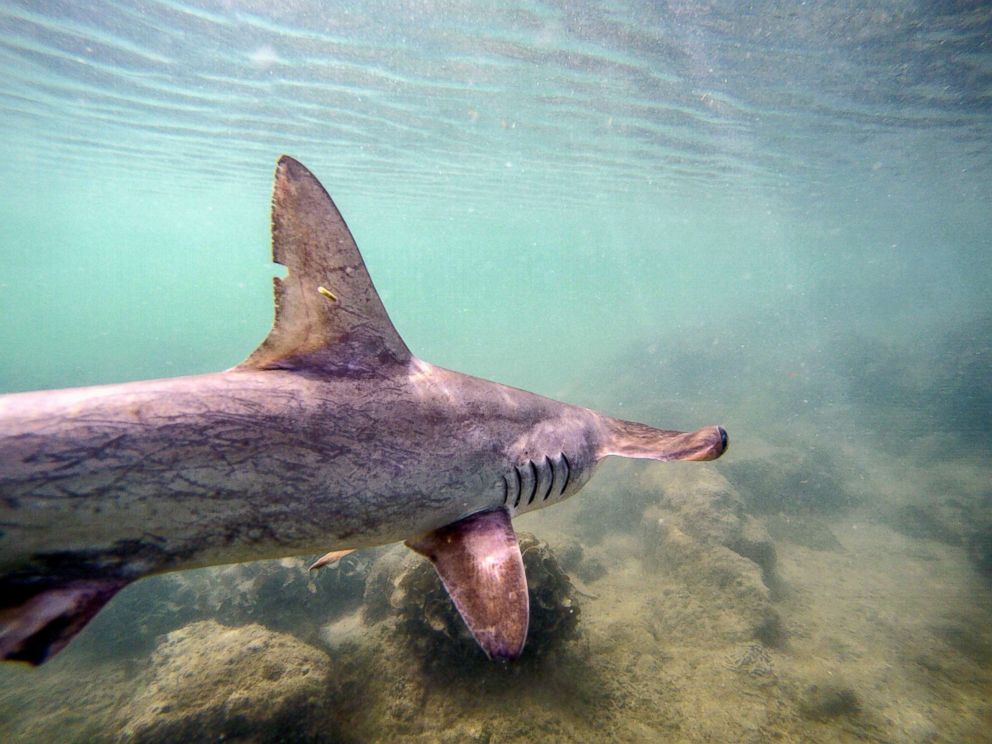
[(664, 609), (817, 584)]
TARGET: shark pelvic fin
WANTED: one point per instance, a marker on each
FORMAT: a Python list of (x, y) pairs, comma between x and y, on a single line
[(328, 314), (41, 624), (631, 439), (479, 563)]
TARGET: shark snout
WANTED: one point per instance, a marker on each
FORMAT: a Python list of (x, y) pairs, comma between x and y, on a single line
[(705, 444), (631, 439)]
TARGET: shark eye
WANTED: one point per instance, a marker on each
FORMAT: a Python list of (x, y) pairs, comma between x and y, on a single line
[(723, 439)]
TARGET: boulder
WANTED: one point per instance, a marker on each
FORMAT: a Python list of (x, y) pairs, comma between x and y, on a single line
[(703, 504), (717, 577), (209, 683)]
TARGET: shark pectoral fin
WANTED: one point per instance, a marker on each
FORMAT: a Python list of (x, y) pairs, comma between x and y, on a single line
[(41, 625), (631, 439), (479, 563), (328, 558), (327, 311)]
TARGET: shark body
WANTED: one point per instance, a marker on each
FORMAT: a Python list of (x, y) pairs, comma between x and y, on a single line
[(330, 436)]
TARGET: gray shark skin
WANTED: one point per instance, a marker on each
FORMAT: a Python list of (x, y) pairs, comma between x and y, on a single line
[(330, 436)]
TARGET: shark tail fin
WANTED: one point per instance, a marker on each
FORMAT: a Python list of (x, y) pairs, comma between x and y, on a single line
[(631, 439), (35, 624), (328, 314)]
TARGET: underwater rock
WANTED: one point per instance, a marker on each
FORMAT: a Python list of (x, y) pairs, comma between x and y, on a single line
[(281, 595), (346, 633), (381, 582), (591, 569), (575, 562), (717, 575), (209, 683), (821, 702), (570, 553), (704, 504), (429, 625), (979, 545), (616, 507), (958, 518), (753, 541), (974, 642), (936, 520), (791, 484)]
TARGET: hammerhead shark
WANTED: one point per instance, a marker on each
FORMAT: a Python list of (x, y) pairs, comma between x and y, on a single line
[(331, 435)]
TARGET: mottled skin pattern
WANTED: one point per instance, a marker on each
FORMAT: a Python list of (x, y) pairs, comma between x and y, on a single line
[(330, 436), (243, 465)]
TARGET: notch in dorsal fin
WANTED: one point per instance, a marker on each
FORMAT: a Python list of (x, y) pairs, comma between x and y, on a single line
[(479, 563), (327, 312)]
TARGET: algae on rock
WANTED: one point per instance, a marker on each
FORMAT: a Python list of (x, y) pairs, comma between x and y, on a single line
[(208, 682)]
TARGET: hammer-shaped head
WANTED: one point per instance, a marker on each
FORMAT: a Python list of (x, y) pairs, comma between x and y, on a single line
[(631, 439)]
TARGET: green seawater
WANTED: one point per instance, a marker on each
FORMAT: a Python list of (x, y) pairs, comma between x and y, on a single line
[(532, 187), (772, 216)]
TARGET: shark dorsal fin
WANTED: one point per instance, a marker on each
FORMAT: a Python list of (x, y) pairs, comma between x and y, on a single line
[(328, 315), (479, 562)]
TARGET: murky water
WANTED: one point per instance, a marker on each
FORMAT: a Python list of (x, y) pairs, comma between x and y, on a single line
[(772, 216)]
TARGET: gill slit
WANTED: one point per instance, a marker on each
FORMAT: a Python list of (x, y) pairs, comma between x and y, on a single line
[(516, 472), (533, 490), (551, 477), (568, 473)]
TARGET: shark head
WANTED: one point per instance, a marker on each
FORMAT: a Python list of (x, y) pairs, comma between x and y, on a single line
[(560, 454)]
